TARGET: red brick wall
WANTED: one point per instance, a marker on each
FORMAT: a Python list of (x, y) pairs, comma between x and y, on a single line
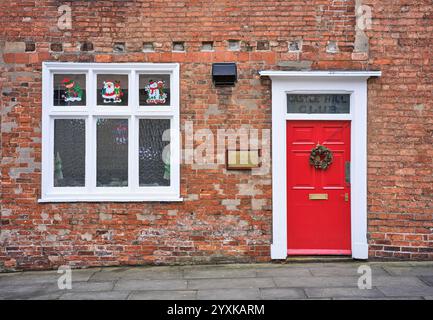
[(400, 154), (220, 220)]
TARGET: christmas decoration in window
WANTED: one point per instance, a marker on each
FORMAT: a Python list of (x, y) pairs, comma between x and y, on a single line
[(112, 90), (69, 152), (154, 89), (121, 134), (88, 151), (69, 90)]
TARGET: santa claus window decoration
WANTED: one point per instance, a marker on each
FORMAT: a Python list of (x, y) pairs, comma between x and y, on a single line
[(69, 90), (112, 89), (154, 89)]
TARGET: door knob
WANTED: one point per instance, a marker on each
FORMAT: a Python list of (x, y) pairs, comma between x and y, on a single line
[(346, 197)]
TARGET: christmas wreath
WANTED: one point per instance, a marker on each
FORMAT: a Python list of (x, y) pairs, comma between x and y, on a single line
[(321, 157)]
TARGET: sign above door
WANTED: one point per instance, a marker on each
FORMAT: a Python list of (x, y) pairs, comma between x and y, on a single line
[(318, 103)]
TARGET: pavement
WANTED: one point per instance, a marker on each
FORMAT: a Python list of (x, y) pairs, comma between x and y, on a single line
[(338, 280)]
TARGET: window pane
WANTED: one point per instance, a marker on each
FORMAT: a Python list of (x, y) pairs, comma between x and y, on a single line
[(154, 89), (154, 152), (112, 90), (69, 90), (69, 152), (112, 153), (318, 103)]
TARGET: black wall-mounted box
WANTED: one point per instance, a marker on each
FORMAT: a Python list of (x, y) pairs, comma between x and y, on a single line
[(224, 74)]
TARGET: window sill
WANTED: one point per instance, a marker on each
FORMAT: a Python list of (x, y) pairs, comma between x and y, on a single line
[(109, 198)]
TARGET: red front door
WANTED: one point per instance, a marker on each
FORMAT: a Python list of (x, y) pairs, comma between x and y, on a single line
[(316, 225)]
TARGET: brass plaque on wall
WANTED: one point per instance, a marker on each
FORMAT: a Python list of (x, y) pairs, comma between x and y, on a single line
[(242, 159)]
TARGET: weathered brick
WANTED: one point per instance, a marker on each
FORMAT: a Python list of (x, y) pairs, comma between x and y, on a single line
[(225, 216)]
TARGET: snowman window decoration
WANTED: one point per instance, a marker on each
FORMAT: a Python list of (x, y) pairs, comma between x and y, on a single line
[(156, 93), (73, 91), (111, 92)]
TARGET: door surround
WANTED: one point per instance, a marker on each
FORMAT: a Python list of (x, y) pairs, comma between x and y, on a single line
[(309, 82)]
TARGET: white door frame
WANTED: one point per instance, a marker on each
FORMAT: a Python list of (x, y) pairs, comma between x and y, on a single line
[(352, 82)]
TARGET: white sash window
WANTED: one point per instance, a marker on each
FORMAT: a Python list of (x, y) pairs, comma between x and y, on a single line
[(110, 132)]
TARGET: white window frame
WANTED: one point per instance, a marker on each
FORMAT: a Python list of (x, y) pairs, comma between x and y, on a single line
[(324, 82), (133, 112)]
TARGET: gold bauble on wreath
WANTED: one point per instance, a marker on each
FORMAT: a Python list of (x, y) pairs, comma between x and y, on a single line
[(321, 157)]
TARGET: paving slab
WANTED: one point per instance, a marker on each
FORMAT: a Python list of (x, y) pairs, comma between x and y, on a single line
[(392, 263), (342, 292), (337, 280), (219, 273), (230, 283), (51, 289), (49, 296), (421, 263), (282, 293), (163, 295), (140, 285), (227, 266), (138, 274), (410, 271), (406, 291), (283, 272), (229, 294), (105, 295), (427, 280), (309, 282), (91, 286), (378, 298), (45, 277), (4, 275), (24, 291), (393, 281), (345, 271), (105, 276)]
